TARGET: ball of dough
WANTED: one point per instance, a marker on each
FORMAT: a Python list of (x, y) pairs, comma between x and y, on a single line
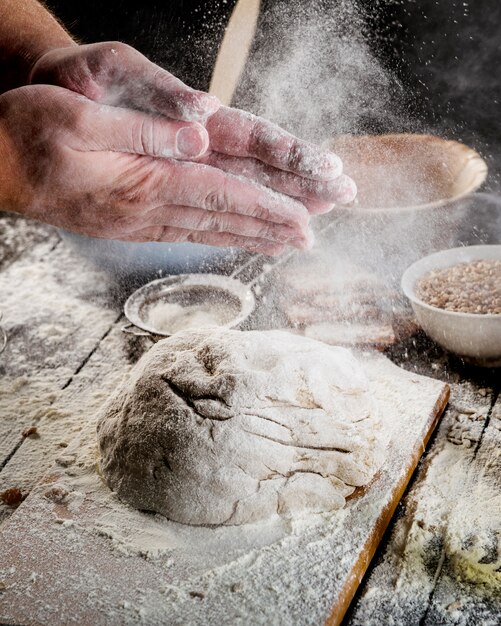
[(218, 426)]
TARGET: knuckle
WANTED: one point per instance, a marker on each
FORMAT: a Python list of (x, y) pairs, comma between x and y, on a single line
[(212, 200), (267, 231), (146, 136), (294, 155), (215, 222), (106, 60), (196, 236), (217, 198), (117, 49)]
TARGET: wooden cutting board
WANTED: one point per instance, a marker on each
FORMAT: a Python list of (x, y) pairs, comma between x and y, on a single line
[(84, 558)]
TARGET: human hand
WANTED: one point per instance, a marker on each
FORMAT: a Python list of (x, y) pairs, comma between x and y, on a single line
[(116, 74), (117, 173), (250, 146)]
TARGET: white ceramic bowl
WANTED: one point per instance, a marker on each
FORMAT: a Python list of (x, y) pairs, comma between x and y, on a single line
[(471, 335)]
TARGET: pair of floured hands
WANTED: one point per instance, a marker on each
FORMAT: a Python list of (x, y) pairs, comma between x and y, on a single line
[(107, 144)]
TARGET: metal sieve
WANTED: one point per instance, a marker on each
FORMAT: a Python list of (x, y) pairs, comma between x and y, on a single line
[(225, 294), (187, 290)]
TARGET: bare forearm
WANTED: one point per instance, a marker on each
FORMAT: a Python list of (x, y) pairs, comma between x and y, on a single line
[(27, 30)]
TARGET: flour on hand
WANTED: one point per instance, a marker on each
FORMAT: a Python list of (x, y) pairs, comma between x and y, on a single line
[(217, 426)]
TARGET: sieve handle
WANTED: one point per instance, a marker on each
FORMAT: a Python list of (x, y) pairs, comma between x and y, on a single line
[(130, 329), (280, 260)]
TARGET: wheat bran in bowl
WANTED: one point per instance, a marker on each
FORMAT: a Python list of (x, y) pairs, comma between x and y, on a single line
[(455, 294), (471, 287)]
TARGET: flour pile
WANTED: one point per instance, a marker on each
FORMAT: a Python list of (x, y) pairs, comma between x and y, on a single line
[(225, 427)]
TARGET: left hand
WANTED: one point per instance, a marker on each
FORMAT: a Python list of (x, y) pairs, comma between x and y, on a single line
[(116, 74)]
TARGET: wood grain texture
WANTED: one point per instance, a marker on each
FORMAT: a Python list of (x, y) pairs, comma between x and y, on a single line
[(86, 354), (414, 578), (234, 50), (19, 236), (373, 540), (56, 310), (32, 532)]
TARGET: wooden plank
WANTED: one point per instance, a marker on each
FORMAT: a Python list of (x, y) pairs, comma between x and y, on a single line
[(318, 563), (411, 579), (60, 423), (234, 50), (469, 584), (19, 235), (352, 584), (56, 310)]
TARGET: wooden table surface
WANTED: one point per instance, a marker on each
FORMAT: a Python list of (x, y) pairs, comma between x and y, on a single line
[(85, 307)]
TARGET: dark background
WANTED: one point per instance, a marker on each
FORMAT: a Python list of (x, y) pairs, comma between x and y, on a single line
[(447, 54), (180, 35)]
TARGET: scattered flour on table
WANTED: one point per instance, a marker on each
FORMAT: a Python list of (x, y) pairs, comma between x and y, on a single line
[(444, 552), (274, 571), (55, 309), (472, 503), (463, 497)]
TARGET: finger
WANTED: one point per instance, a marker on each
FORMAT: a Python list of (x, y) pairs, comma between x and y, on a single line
[(158, 91), (317, 207), (224, 240), (198, 219), (131, 80), (116, 129), (204, 187), (238, 133), (324, 194)]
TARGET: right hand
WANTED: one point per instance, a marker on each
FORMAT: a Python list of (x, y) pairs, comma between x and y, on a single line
[(116, 74), (116, 173)]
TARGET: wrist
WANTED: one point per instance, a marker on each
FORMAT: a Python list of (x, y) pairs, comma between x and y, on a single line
[(27, 32), (35, 56), (13, 196)]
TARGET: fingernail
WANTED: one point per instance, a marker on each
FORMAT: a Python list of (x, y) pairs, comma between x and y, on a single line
[(191, 142), (333, 163), (347, 189), (305, 242), (197, 106), (206, 104), (319, 164)]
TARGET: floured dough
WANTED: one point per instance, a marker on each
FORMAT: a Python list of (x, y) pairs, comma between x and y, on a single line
[(218, 426)]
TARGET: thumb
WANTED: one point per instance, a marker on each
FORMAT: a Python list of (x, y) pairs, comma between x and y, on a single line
[(103, 127)]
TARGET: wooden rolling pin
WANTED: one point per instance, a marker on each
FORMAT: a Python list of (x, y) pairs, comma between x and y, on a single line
[(234, 50)]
